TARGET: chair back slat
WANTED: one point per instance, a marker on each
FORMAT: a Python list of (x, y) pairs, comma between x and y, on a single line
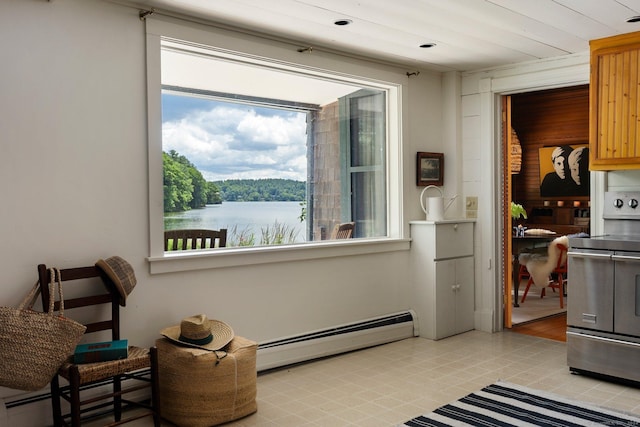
[(70, 303), (79, 273), (99, 326)]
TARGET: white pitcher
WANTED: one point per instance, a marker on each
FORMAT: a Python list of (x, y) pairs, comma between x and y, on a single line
[(434, 208)]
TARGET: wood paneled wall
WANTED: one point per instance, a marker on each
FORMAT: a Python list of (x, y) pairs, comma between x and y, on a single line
[(541, 119)]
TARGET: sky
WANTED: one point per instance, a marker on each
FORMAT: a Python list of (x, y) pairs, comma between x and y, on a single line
[(235, 141)]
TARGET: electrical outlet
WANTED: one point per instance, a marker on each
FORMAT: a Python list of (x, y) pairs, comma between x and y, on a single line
[(472, 203)]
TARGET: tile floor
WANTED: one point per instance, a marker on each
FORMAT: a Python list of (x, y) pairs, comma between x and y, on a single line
[(389, 384)]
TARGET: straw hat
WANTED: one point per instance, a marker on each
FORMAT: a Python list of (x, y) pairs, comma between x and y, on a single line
[(121, 274), (200, 332)]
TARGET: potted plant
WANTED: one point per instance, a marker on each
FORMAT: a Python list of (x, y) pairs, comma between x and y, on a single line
[(517, 212)]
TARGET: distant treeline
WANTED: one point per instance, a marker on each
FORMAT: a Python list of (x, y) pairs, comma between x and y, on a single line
[(185, 188), (261, 190)]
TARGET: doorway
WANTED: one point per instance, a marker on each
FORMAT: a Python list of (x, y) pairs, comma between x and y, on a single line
[(534, 125)]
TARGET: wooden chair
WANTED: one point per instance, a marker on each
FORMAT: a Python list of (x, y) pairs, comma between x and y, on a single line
[(175, 240), (523, 273), (139, 368), (343, 231), (560, 271)]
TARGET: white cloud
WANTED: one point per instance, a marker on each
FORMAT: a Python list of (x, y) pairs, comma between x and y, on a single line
[(232, 142)]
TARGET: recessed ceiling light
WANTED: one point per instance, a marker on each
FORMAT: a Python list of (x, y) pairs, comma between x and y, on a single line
[(427, 45), (343, 22), (634, 19)]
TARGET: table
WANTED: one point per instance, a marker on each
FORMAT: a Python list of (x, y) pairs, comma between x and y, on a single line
[(517, 245)]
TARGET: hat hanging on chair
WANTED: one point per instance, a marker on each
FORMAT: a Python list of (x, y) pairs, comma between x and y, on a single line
[(121, 274), (200, 332)]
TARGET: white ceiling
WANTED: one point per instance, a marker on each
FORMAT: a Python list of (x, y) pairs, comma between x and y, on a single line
[(469, 34)]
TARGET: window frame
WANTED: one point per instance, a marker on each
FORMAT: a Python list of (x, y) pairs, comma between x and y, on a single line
[(350, 172), (283, 56)]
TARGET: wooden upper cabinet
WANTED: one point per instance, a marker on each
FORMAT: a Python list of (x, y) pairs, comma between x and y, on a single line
[(614, 98)]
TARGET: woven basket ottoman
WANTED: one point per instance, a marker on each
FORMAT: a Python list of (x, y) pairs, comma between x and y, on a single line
[(200, 388)]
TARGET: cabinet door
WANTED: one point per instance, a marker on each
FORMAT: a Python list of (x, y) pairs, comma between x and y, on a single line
[(614, 133), (591, 275), (445, 298), (454, 296), (454, 240), (627, 293), (465, 300)]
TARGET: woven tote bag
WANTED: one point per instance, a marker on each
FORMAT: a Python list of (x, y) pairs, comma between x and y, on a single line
[(34, 344)]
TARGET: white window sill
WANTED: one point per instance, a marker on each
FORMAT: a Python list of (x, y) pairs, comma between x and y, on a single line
[(233, 257)]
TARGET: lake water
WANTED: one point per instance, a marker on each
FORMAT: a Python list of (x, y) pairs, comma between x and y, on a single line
[(244, 215)]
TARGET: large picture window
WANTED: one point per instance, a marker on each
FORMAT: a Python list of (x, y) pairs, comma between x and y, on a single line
[(273, 153), (235, 127)]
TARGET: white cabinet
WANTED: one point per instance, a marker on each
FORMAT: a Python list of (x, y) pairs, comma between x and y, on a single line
[(443, 276)]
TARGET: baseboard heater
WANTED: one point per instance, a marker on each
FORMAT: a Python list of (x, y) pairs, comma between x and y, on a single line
[(336, 340)]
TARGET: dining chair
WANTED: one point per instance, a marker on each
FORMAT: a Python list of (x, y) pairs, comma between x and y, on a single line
[(98, 309), (559, 282), (557, 277), (523, 273)]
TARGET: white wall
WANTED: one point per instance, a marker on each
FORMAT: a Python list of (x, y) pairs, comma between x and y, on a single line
[(481, 111), (74, 171), (481, 93)]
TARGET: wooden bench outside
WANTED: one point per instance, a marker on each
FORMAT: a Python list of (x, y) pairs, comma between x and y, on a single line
[(175, 240)]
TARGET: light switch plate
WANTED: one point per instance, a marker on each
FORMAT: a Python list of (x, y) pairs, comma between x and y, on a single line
[(471, 203)]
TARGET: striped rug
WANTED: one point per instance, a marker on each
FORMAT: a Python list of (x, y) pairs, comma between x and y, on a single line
[(504, 404)]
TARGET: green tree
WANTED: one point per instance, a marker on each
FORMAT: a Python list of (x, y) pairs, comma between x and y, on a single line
[(213, 194), (200, 188), (177, 186), (199, 185)]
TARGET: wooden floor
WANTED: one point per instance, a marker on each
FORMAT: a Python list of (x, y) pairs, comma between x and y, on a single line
[(554, 328)]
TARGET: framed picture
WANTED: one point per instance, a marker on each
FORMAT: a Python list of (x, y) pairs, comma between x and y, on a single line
[(564, 170), (430, 169)]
